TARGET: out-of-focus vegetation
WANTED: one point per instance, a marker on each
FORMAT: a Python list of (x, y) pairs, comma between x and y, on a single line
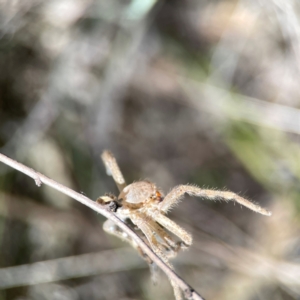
[(202, 92)]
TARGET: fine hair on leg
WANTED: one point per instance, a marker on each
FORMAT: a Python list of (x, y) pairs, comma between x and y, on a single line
[(176, 194)]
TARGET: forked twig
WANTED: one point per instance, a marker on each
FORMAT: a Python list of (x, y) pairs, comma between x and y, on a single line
[(39, 178)]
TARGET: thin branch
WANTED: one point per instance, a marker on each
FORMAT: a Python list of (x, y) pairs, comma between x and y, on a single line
[(39, 178)]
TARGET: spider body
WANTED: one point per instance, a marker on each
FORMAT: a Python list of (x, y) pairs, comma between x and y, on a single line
[(139, 202), (145, 206)]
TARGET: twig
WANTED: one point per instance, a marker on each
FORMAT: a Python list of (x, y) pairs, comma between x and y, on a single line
[(39, 178)]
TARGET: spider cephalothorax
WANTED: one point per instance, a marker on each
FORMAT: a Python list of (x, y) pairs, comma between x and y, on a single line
[(145, 206), (140, 193)]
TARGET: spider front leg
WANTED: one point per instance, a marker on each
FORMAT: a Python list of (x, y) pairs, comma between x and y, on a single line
[(178, 192), (112, 169)]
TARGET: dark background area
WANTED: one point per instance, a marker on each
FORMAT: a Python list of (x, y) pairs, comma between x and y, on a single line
[(200, 92)]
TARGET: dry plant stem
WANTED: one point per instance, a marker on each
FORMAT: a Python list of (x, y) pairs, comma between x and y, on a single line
[(40, 178)]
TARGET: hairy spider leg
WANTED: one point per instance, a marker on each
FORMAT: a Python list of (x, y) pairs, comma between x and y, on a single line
[(112, 169), (173, 227), (177, 193), (151, 231), (148, 231), (170, 247), (111, 228)]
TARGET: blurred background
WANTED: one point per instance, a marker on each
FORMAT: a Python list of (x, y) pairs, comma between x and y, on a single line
[(195, 91)]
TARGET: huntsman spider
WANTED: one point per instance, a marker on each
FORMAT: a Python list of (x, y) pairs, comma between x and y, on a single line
[(145, 206)]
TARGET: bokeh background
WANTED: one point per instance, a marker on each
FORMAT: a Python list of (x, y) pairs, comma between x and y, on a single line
[(195, 91)]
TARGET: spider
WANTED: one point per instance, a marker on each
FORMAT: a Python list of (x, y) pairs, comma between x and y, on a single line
[(144, 206)]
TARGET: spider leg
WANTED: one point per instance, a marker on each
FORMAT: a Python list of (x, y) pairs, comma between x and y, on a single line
[(159, 236), (143, 221), (113, 169), (111, 228), (173, 227), (144, 224), (169, 246), (178, 192)]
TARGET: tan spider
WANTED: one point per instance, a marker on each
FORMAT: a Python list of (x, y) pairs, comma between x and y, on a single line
[(145, 206)]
